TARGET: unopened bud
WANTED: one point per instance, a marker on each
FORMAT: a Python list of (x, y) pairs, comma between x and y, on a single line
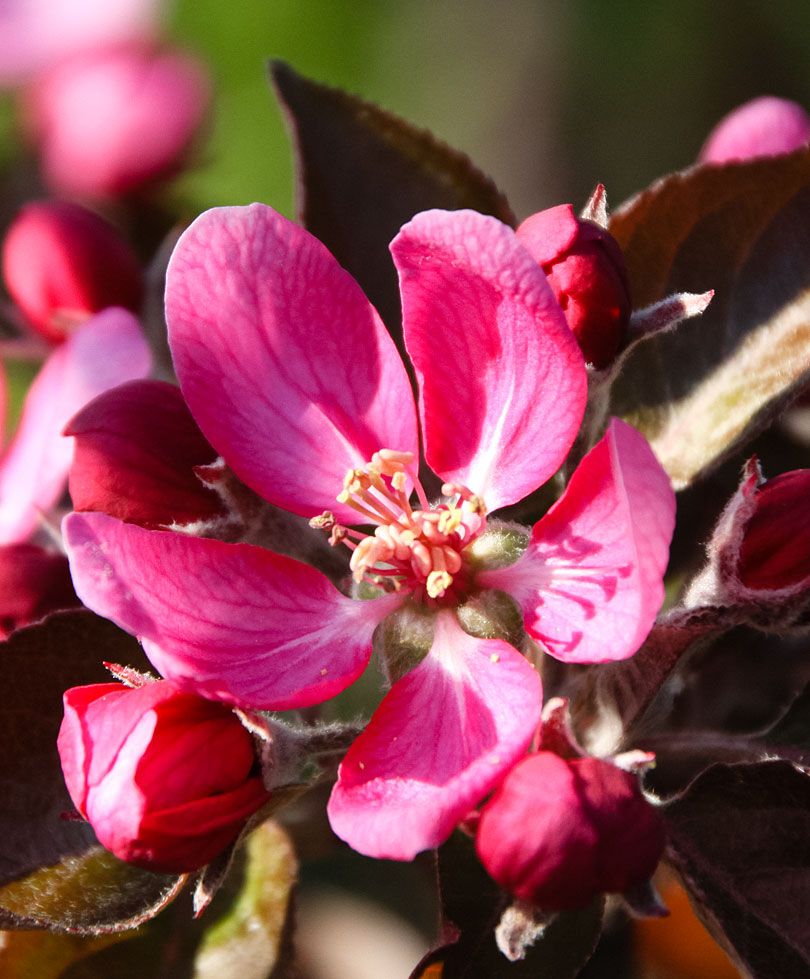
[(558, 832), (62, 263), (775, 549), (766, 126), (586, 270)]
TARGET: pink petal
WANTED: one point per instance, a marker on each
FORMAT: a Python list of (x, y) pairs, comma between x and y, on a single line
[(136, 449), (591, 581), (550, 233), (108, 350), (231, 622), (441, 739), (284, 363), (503, 382)]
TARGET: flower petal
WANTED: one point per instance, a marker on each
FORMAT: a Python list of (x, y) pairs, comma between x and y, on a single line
[(284, 363), (503, 382), (108, 350), (231, 622), (136, 449), (591, 581), (441, 739)]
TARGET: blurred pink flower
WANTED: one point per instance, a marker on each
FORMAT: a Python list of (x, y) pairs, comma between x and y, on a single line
[(62, 263), (767, 126), (166, 779), (35, 34), (293, 379), (111, 121)]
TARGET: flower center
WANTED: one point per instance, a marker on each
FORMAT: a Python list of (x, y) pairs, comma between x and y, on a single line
[(410, 549)]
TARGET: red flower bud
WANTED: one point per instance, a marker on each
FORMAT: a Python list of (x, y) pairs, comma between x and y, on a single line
[(136, 449), (165, 778), (775, 550), (585, 268), (62, 263), (33, 582), (767, 126), (113, 121), (558, 832)]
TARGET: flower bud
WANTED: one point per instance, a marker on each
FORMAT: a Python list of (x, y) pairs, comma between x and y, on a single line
[(33, 582), (585, 269), (775, 548), (557, 832), (766, 126), (166, 779), (110, 122), (62, 263)]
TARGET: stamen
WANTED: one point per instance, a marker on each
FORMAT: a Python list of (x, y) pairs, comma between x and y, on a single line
[(437, 583), (324, 521)]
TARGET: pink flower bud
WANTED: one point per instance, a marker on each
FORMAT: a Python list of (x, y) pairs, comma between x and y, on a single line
[(33, 582), (108, 123), (62, 263), (585, 268), (775, 549), (166, 778), (558, 832), (766, 126)]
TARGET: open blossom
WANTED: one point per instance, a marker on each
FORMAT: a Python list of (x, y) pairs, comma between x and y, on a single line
[(292, 378), (166, 779)]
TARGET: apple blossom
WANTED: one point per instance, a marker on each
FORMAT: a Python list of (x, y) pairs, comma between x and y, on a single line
[(292, 378), (62, 263), (166, 779)]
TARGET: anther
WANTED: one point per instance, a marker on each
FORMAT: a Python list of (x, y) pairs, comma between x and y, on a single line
[(324, 521), (437, 583)]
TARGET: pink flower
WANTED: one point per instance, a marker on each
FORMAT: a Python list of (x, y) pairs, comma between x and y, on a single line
[(107, 350), (35, 34), (586, 270), (166, 779), (112, 121), (766, 126), (293, 379), (62, 263), (557, 833)]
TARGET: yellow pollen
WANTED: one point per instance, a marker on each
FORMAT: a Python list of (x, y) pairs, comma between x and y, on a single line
[(390, 461), (494, 658), (449, 521), (324, 521), (437, 583)]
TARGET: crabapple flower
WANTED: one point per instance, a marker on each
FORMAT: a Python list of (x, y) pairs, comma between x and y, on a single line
[(585, 268), (767, 126), (558, 832), (292, 378), (112, 121), (107, 350), (62, 263), (166, 779)]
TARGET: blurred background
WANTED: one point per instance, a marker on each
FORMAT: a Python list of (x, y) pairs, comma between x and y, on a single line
[(548, 97)]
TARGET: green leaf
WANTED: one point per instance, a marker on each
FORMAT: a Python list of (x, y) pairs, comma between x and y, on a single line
[(702, 390), (53, 873), (363, 173), (738, 837)]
